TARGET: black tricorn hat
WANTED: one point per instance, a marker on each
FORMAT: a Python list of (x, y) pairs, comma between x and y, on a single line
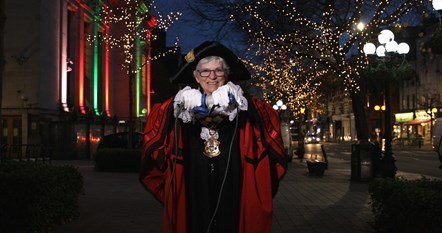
[(238, 71)]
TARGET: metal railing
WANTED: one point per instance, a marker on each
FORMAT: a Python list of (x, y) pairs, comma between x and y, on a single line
[(25, 152)]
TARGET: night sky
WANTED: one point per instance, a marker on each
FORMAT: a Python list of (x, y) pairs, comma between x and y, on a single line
[(188, 35)]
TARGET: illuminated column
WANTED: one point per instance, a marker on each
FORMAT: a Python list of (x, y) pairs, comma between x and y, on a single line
[(151, 23), (64, 60), (95, 72), (81, 63), (148, 70), (106, 78), (138, 66)]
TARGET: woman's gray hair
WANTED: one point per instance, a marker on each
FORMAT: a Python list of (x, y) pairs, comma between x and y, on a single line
[(214, 58)]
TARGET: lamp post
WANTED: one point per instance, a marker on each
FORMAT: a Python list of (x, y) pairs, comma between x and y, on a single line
[(387, 46), (285, 128), (280, 106), (300, 151)]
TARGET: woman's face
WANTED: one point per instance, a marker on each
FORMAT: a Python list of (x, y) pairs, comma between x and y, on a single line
[(210, 76)]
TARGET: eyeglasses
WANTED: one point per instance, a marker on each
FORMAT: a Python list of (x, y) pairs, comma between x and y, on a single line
[(206, 73)]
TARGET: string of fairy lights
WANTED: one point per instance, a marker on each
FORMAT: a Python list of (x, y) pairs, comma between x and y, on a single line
[(133, 16), (296, 93), (298, 50)]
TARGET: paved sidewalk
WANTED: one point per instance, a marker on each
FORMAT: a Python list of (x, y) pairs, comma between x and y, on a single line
[(331, 203), (117, 203)]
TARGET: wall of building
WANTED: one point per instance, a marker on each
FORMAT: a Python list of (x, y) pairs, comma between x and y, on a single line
[(30, 69)]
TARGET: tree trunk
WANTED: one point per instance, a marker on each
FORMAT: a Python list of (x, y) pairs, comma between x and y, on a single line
[(360, 117)]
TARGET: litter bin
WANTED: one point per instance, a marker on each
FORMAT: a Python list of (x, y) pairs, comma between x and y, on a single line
[(361, 161)]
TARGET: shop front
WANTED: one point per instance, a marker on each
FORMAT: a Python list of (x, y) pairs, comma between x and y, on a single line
[(412, 127)]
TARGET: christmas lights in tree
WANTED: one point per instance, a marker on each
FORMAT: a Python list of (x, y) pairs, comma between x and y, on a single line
[(136, 22), (299, 43)]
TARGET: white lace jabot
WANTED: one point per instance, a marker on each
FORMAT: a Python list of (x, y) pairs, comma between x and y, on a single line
[(188, 98)]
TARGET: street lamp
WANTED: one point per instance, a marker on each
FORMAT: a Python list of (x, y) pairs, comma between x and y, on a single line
[(387, 45), (437, 4), (285, 127), (279, 105)]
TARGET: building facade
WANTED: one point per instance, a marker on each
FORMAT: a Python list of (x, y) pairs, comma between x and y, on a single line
[(341, 127), (415, 99), (421, 97), (63, 87)]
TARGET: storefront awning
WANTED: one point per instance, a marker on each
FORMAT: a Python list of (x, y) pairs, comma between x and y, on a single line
[(418, 121)]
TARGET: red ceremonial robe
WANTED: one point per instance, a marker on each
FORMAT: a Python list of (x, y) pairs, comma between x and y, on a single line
[(262, 160)]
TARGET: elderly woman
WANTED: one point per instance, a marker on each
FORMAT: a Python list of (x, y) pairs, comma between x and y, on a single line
[(213, 155)]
